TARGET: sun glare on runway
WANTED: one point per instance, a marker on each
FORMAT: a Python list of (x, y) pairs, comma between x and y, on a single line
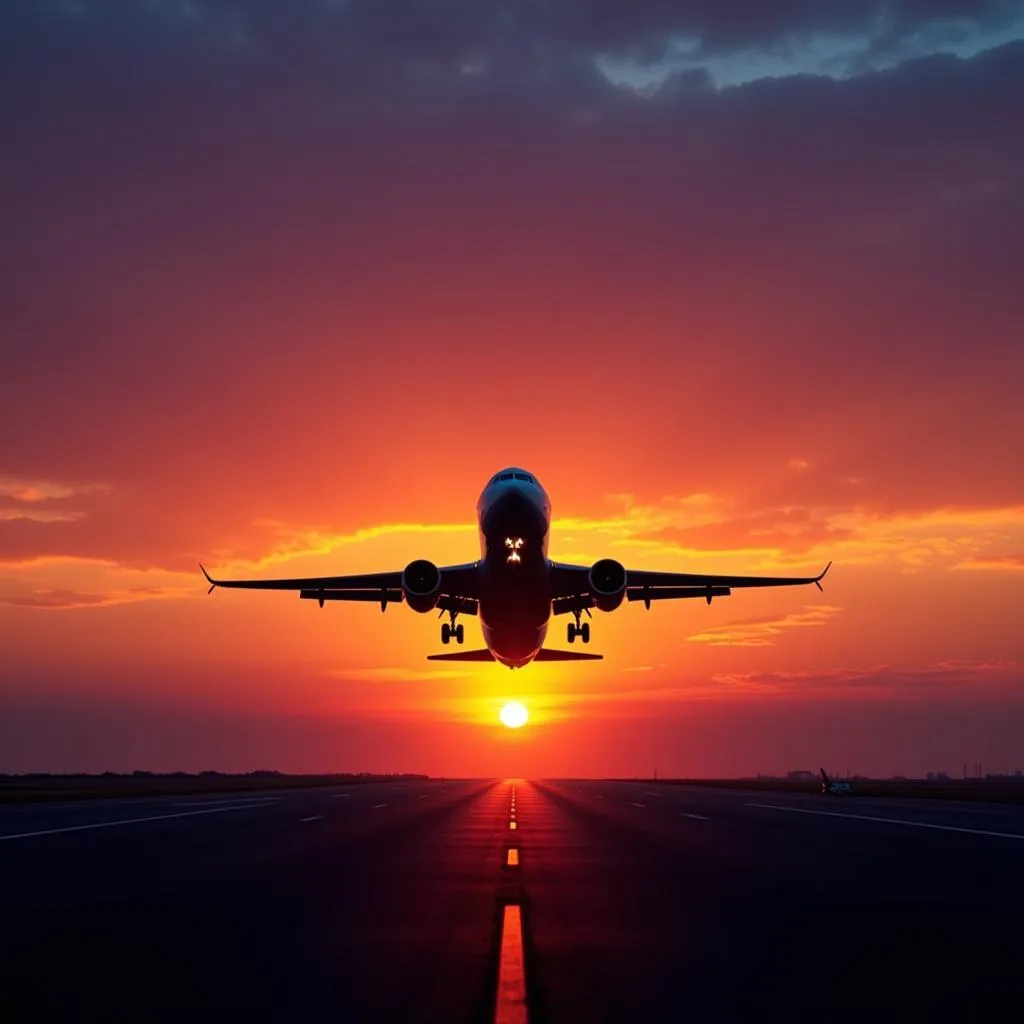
[(514, 715)]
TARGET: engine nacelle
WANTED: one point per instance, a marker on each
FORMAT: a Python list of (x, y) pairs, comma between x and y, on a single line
[(607, 582), (421, 585)]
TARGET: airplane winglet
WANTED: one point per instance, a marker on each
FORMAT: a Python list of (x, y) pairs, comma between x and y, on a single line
[(213, 585), (817, 581)]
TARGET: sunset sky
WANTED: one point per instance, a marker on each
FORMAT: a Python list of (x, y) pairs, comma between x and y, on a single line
[(282, 285)]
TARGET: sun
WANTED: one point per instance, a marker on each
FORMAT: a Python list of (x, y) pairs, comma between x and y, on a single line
[(514, 715)]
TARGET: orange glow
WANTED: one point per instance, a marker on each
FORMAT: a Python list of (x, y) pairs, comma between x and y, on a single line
[(514, 715)]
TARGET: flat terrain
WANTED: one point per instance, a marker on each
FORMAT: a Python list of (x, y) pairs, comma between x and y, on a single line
[(640, 902), (37, 788)]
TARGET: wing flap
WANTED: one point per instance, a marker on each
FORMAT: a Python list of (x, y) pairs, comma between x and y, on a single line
[(674, 593), (643, 578), (570, 584), (457, 582), (364, 581)]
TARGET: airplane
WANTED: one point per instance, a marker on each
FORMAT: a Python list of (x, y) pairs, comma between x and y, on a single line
[(833, 787), (514, 587)]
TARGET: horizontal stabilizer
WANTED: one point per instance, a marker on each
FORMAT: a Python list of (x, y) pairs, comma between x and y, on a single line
[(544, 654), (482, 655), (552, 654)]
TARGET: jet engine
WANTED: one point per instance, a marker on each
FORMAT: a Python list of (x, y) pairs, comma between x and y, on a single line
[(421, 585), (607, 582)]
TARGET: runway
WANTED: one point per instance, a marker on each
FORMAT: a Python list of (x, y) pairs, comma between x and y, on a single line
[(633, 902)]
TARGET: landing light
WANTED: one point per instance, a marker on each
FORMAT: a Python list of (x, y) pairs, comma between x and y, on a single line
[(513, 544)]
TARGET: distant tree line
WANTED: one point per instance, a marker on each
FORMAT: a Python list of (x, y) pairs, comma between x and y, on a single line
[(261, 773)]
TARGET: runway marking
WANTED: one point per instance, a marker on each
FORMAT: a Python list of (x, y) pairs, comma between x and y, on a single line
[(236, 803), (635, 804), (124, 821), (513, 857), (650, 792), (315, 817), (338, 796), (422, 796), (600, 796), (893, 821), (377, 807), (510, 1007), (696, 817), (512, 825)]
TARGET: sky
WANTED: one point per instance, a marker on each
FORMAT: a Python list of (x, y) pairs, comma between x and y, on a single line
[(282, 285)]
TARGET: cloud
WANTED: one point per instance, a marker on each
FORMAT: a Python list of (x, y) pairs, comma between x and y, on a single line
[(61, 583), (53, 599), (39, 515), (1001, 563), (32, 491), (932, 681), (763, 632)]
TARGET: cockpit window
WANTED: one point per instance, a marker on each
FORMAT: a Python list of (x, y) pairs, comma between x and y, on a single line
[(513, 476)]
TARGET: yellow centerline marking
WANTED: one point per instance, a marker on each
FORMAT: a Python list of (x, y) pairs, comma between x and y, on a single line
[(510, 1007)]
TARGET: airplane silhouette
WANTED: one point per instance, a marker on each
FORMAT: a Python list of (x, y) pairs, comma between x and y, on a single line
[(514, 587)]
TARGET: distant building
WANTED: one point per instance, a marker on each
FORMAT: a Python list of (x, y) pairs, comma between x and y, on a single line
[(938, 776), (800, 774)]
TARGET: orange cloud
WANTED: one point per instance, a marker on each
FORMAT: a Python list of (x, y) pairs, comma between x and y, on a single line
[(939, 679), (46, 490), (54, 582), (763, 632), (1004, 563), (64, 599), (39, 515)]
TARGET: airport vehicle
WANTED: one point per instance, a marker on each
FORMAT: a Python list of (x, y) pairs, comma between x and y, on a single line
[(514, 587), (834, 787)]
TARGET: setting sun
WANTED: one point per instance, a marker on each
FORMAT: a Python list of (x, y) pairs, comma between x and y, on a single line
[(514, 715)]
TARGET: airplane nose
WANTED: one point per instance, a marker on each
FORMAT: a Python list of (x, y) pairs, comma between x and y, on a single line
[(514, 511)]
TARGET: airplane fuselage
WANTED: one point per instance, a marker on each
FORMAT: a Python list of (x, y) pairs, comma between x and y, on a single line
[(514, 519)]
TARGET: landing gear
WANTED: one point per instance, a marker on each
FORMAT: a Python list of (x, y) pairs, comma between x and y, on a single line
[(576, 630), (449, 630)]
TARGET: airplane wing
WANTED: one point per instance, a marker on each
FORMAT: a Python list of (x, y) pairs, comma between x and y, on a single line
[(570, 586), (458, 587)]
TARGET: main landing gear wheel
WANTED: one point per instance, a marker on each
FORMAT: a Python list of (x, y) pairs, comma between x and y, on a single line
[(448, 631), (575, 630)]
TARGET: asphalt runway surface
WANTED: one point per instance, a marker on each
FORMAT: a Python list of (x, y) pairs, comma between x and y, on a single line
[(388, 902)]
